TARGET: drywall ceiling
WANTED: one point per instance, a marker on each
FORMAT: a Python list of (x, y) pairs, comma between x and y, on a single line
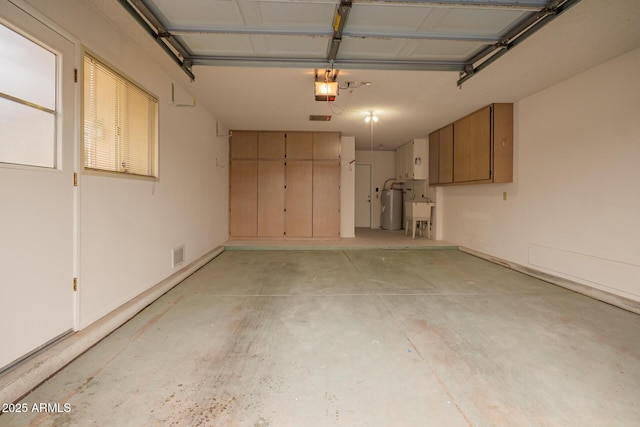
[(229, 39)]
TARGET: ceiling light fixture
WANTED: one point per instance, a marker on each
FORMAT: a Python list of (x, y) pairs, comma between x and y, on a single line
[(371, 117)]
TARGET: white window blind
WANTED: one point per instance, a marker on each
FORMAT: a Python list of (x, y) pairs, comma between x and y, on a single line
[(120, 123)]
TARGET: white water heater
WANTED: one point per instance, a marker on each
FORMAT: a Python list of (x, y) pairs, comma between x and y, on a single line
[(391, 216)]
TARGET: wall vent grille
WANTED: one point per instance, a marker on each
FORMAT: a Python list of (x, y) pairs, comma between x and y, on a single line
[(319, 118), (178, 256)]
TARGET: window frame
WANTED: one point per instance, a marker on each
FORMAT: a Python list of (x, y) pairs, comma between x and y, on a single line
[(56, 148), (112, 173)]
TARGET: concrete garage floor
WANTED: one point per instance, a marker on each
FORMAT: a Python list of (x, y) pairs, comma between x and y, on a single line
[(430, 337)]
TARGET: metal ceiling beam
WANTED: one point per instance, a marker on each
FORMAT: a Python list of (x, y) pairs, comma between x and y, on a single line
[(531, 6), (371, 64), (490, 54), (315, 34), (339, 21), (152, 25), (248, 31)]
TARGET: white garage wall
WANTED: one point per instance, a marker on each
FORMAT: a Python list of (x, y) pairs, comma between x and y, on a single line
[(129, 227), (573, 209), (347, 186)]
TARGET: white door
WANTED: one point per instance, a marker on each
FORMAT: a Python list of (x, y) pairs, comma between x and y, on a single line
[(363, 195), (36, 183)]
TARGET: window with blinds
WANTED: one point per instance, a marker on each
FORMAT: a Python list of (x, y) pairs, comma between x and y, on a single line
[(120, 123)]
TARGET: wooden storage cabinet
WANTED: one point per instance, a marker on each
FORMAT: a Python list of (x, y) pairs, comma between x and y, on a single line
[(502, 143), (284, 184), (244, 146), (243, 206), (434, 157), (472, 147), (271, 145), (299, 200), (326, 206), (299, 146), (445, 169), (411, 160), (441, 156), (271, 198), (475, 149), (326, 146)]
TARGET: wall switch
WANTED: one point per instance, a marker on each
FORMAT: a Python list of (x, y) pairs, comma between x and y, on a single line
[(504, 195)]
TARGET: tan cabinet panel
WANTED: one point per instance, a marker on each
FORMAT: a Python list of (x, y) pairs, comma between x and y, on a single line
[(445, 163), (326, 146), (271, 198), (244, 145), (480, 153), (472, 147), (434, 157), (299, 145), (503, 143), (243, 198), (326, 199), (271, 145), (299, 198)]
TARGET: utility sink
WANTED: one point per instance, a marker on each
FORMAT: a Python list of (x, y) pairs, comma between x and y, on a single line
[(418, 209), (415, 213)]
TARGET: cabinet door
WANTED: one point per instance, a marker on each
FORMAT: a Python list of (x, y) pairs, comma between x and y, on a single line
[(326, 146), (271, 145), (472, 147), (299, 198), (418, 159), (503, 143), (434, 157), (445, 163), (244, 145), (408, 156), (299, 145), (326, 199), (243, 198), (271, 198)]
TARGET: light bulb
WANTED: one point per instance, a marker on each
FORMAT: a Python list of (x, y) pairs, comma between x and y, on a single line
[(371, 117)]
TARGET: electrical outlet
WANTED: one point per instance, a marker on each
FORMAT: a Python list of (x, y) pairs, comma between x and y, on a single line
[(504, 195)]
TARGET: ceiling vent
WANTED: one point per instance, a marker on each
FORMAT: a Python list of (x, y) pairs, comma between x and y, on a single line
[(319, 118)]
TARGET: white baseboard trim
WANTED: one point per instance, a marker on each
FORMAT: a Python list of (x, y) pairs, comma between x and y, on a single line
[(26, 376), (581, 288)]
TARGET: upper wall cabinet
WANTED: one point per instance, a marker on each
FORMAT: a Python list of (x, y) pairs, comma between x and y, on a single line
[(472, 147), (326, 146), (411, 160), (299, 145), (290, 145), (271, 145), (475, 149), (244, 145), (441, 156)]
